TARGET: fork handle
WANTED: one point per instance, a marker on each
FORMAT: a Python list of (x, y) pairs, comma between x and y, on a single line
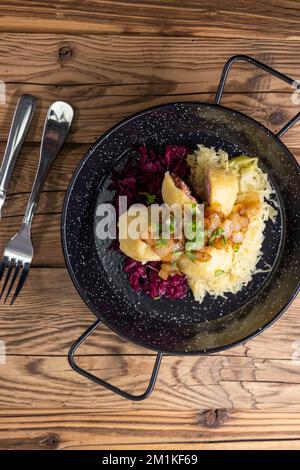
[(19, 127), (57, 125)]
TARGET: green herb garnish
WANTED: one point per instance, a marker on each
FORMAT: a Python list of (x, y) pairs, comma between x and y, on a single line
[(156, 298), (161, 242), (215, 235), (172, 227), (194, 208), (224, 241), (151, 198), (191, 255), (219, 272), (195, 231), (235, 248), (194, 244)]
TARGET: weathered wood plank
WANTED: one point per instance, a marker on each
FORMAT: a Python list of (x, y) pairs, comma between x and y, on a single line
[(25, 169), (98, 108), (190, 383), (192, 405), (277, 444), (63, 429), (271, 19), (50, 202), (169, 62), (45, 234), (49, 315)]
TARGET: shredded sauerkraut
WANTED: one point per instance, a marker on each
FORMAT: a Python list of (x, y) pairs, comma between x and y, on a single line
[(251, 179)]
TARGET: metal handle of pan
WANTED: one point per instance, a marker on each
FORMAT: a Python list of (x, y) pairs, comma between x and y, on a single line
[(102, 382), (266, 68)]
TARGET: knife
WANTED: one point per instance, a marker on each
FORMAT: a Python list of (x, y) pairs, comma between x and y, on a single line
[(18, 130)]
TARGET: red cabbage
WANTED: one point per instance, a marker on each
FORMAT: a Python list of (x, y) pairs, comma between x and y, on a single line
[(144, 277), (146, 176)]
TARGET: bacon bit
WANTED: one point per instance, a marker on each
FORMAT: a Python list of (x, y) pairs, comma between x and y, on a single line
[(203, 255), (167, 270), (216, 208), (221, 243)]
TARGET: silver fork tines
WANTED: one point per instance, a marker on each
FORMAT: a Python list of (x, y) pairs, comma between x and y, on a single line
[(22, 278), (17, 257), (18, 253)]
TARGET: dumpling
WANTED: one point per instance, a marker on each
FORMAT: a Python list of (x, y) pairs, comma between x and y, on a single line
[(219, 263), (175, 191), (136, 249), (221, 189)]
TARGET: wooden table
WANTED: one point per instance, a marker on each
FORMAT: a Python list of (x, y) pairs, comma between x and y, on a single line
[(110, 59)]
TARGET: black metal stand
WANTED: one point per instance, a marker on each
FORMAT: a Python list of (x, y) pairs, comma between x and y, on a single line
[(98, 381), (266, 68)]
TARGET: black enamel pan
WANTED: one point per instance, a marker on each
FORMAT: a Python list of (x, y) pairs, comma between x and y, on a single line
[(182, 326)]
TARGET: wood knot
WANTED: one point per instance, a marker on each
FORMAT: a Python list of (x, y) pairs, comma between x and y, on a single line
[(212, 418), (65, 53), (277, 118), (50, 442)]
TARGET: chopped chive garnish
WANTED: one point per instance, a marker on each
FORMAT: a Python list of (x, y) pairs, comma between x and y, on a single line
[(194, 208), (161, 242), (215, 235), (151, 198), (219, 272), (172, 227), (194, 244), (191, 255)]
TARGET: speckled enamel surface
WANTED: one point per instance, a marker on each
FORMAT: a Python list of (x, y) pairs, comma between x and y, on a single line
[(185, 325)]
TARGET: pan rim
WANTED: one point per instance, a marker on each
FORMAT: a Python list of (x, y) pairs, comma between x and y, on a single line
[(98, 315)]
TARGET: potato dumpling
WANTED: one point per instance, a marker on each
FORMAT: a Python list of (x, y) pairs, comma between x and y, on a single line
[(221, 189), (136, 249), (219, 263), (175, 191)]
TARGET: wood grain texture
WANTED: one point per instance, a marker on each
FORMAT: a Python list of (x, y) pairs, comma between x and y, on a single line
[(62, 429), (112, 59), (233, 18), (143, 60), (57, 180), (98, 108), (184, 383), (50, 315), (45, 234)]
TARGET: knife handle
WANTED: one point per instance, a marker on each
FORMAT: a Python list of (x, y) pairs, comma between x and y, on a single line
[(20, 124)]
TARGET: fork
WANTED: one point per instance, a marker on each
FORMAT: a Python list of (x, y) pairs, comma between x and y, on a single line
[(18, 253)]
